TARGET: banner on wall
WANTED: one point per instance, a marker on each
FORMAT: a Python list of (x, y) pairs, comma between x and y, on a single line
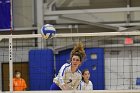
[(5, 15)]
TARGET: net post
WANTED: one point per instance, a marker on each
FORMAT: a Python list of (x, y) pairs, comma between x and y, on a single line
[(11, 63), (39, 11)]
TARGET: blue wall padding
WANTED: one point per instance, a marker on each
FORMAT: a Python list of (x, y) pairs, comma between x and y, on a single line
[(97, 76), (41, 66), (138, 81), (41, 69), (62, 58)]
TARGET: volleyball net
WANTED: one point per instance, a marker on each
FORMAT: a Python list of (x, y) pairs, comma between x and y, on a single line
[(112, 59)]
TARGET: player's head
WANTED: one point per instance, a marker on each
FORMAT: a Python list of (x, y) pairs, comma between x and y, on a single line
[(85, 75), (77, 55), (17, 74)]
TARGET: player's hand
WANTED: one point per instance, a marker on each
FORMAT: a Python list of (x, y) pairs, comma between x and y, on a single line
[(64, 87)]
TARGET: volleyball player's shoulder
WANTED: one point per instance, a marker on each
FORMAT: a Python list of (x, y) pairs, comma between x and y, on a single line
[(90, 82), (65, 65), (79, 72), (82, 82)]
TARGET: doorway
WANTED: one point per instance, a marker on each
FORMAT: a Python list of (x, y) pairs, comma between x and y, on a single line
[(22, 67)]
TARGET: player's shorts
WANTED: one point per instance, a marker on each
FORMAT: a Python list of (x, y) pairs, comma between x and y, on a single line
[(54, 87)]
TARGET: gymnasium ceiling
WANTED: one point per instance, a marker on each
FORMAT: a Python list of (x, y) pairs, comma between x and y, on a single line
[(99, 15), (92, 16)]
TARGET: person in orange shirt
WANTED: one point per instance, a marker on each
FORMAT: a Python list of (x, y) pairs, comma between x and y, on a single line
[(19, 83)]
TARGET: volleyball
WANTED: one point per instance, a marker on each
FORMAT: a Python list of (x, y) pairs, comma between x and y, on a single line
[(48, 31)]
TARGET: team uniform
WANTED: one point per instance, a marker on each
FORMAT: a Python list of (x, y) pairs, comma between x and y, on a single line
[(85, 86), (19, 84), (65, 76)]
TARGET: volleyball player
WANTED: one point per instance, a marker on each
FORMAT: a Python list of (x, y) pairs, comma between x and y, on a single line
[(85, 83), (69, 75)]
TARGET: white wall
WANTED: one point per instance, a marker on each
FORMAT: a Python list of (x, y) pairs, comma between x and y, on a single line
[(118, 68), (136, 66), (23, 12)]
